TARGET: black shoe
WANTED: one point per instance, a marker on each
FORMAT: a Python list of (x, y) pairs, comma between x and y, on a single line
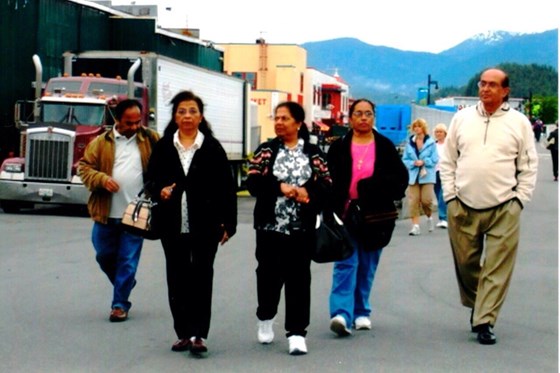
[(485, 335), (198, 346), (183, 344)]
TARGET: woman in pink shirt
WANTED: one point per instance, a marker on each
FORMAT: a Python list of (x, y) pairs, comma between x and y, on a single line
[(367, 172)]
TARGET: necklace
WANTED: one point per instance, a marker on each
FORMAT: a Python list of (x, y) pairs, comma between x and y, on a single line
[(363, 155)]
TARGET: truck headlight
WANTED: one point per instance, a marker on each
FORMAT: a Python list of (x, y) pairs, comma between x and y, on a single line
[(13, 167)]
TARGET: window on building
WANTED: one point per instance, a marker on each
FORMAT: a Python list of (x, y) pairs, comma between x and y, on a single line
[(326, 101), (301, 83), (250, 77)]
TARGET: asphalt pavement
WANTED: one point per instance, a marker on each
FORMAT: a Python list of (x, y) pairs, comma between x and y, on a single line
[(55, 304)]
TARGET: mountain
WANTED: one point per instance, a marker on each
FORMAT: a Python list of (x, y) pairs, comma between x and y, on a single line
[(389, 75)]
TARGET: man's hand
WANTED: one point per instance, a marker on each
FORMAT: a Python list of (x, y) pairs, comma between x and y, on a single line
[(111, 185)]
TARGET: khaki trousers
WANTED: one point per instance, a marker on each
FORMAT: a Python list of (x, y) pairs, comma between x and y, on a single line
[(484, 279)]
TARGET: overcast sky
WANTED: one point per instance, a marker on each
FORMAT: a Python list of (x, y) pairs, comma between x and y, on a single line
[(426, 26)]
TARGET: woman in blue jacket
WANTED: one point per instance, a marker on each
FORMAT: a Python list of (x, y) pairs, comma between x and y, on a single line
[(420, 158)]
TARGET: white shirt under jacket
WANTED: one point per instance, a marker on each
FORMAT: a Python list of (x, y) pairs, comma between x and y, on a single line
[(489, 159)]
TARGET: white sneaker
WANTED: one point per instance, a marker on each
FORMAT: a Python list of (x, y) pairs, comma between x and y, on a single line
[(362, 323), (442, 224), (415, 231), (265, 335), (297, 345), (338, 325), (430, 224)]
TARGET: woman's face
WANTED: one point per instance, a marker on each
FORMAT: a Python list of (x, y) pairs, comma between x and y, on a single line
[(285, 126), (362, 117), (187, 116), (439, 135), (417, 129)]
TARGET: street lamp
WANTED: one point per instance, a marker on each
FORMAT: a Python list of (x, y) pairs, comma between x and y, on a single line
[(430, 83)]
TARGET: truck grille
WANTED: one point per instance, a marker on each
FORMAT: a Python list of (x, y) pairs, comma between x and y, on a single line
[(49, 156)]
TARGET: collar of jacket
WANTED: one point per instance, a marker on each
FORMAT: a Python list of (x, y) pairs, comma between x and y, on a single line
[(141, 134), (503, 109)]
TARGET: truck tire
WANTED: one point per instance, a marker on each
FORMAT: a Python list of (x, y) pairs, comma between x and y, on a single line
[(10, 207)]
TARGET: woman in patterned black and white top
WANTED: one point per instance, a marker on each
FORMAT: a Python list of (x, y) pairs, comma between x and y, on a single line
[(290, 179)]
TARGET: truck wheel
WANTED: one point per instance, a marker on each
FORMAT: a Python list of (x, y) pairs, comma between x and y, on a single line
[(10, 207)]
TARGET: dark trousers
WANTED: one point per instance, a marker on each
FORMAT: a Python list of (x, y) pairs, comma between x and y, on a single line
[(190, 273), (554, 155), (284, 261)]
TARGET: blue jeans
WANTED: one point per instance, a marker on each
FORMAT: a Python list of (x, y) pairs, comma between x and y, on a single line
[(118, 254), (352, 282), (442, 207)]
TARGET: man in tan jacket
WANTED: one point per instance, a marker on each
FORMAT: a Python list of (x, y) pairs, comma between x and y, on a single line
[(113, 168)]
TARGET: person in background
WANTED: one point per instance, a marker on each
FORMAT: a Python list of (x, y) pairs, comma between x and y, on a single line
[(552, 141), (488, 171), (538, 127), (420, 158), (191, 180), (291, 182), (113, 168), (365, 167), (440, 131)]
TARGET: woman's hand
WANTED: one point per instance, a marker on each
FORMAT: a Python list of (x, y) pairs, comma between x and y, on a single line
[(419, 163), (166, 192), (301, 195), (289, 191), (225, 237)]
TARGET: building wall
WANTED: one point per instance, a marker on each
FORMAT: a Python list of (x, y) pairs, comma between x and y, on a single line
[(279, 72), (267, 101)]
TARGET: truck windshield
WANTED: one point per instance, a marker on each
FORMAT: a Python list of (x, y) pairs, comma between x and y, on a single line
[(86, 115)]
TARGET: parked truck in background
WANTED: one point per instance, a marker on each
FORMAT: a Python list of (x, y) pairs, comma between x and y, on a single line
[(226, 98), (76, 108), (54, 131)]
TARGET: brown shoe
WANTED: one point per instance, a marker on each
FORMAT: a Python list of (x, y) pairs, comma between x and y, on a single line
[(118, 314), (183, 344), (198, 346)]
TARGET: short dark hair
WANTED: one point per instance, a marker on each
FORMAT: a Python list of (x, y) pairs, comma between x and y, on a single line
[(124, 105), (353, 106)]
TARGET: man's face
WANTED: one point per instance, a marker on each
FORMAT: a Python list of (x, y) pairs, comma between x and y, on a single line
[(490, 89), (130, 122)]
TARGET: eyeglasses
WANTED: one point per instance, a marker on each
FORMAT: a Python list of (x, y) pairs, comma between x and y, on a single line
[(358, 114), (190, 111), (282, 118), (491, 85)]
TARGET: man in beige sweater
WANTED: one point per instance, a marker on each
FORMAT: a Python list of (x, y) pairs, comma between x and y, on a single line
[(488, 171)]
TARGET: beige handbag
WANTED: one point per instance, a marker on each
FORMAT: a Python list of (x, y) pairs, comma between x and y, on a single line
[(138, 217)]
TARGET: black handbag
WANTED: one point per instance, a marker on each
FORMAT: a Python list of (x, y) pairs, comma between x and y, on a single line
[(373, 230), (332, 241), (138, 217)]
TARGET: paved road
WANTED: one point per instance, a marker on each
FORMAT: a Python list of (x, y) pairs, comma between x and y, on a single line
[(55, 303)]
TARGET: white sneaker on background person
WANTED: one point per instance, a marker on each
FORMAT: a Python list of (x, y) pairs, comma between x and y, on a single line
[(415, 231), (430, 224)]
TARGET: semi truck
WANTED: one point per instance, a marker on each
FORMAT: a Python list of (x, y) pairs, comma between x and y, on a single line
[(226, 98), (76, 107)]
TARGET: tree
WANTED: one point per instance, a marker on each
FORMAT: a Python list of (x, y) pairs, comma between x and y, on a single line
[(537, 84)]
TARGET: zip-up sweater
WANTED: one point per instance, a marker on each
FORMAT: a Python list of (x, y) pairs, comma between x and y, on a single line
[(489, 159)]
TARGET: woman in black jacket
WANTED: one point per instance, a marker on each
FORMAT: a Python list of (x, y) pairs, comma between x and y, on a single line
[(368, 176), (190, 178), (290, 179)]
